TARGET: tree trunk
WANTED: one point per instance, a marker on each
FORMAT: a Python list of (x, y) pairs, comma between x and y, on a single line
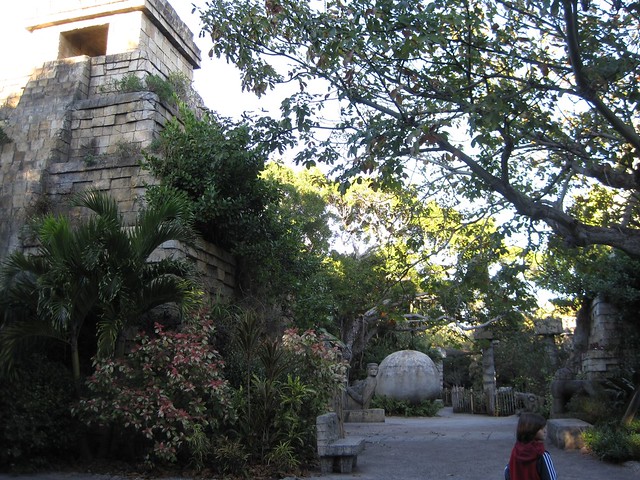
[(357, 334), (75, 365), (83, 441), (489, 378)]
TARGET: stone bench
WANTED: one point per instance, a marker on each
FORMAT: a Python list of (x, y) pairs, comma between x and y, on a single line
[(566, 433), (336, 453), (367, 415)]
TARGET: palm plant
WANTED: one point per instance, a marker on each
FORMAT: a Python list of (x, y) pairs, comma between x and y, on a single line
[(99, 267)]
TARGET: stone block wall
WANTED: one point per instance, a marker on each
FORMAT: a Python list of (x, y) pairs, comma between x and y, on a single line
[(107, 70), (65, 141), (71, 129), (216, 266), (111, 124), (610, 343), (597, 364), (106, 137), (151, 28), (605, 325), (39, 128), (167, 38), (602, 358)]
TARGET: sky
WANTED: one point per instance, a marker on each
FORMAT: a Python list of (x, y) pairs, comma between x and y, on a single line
[(217, 82)]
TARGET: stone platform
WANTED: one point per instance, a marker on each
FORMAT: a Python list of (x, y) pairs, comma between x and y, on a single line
[(566, 433)]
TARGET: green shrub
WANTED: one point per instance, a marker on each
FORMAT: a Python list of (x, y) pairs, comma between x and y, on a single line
[(127, 150), (523, 363), (217, 163), (36, 425), (199, 445), (426, 408), (613, 442), (160, 87), (129, 83), (176, 86), (594, 410), (634, 441), (182, 87), (230, 456), (287, 383), (283, 458)]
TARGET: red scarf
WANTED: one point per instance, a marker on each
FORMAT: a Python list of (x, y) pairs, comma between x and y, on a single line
[(523, 464)]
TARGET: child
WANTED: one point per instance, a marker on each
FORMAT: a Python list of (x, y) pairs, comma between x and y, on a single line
[(529, 460)]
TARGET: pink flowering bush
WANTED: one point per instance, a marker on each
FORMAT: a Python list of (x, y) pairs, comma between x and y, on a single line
[(317, 361), (168, 391)]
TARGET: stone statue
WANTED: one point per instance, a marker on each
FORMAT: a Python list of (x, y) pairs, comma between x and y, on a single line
[(564, 386), (529, 401), (361, 392)]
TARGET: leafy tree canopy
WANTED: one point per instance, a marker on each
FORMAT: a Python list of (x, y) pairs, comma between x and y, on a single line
[(595, 271), (425, 267), (527, 104)]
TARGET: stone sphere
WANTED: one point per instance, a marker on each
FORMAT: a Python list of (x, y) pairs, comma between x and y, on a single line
[(410, 376)]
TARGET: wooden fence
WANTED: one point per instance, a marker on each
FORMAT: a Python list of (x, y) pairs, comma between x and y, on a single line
[(470, 401)]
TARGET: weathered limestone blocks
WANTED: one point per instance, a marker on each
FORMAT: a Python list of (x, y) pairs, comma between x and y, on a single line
[(603, 354), (38, 128), (72, 128), (109, 124), (336, 452), (216, 265)]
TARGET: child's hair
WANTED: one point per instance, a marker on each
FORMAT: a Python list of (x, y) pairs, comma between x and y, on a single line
[(528, 425)]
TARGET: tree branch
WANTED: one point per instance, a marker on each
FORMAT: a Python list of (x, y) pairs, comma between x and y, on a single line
[(606, 175), (584, 85), (575, 232), (466, 328)]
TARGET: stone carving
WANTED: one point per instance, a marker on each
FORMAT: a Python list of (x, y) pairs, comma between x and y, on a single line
[(529, 401), (359, 394), (565, 386)]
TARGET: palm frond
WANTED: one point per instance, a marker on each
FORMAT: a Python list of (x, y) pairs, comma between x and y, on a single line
[(18, 281), (18, 264), (18, 334), (101, 204), (108, 331), (57, 310), (97, 265), (169, 219), (170, 289)]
